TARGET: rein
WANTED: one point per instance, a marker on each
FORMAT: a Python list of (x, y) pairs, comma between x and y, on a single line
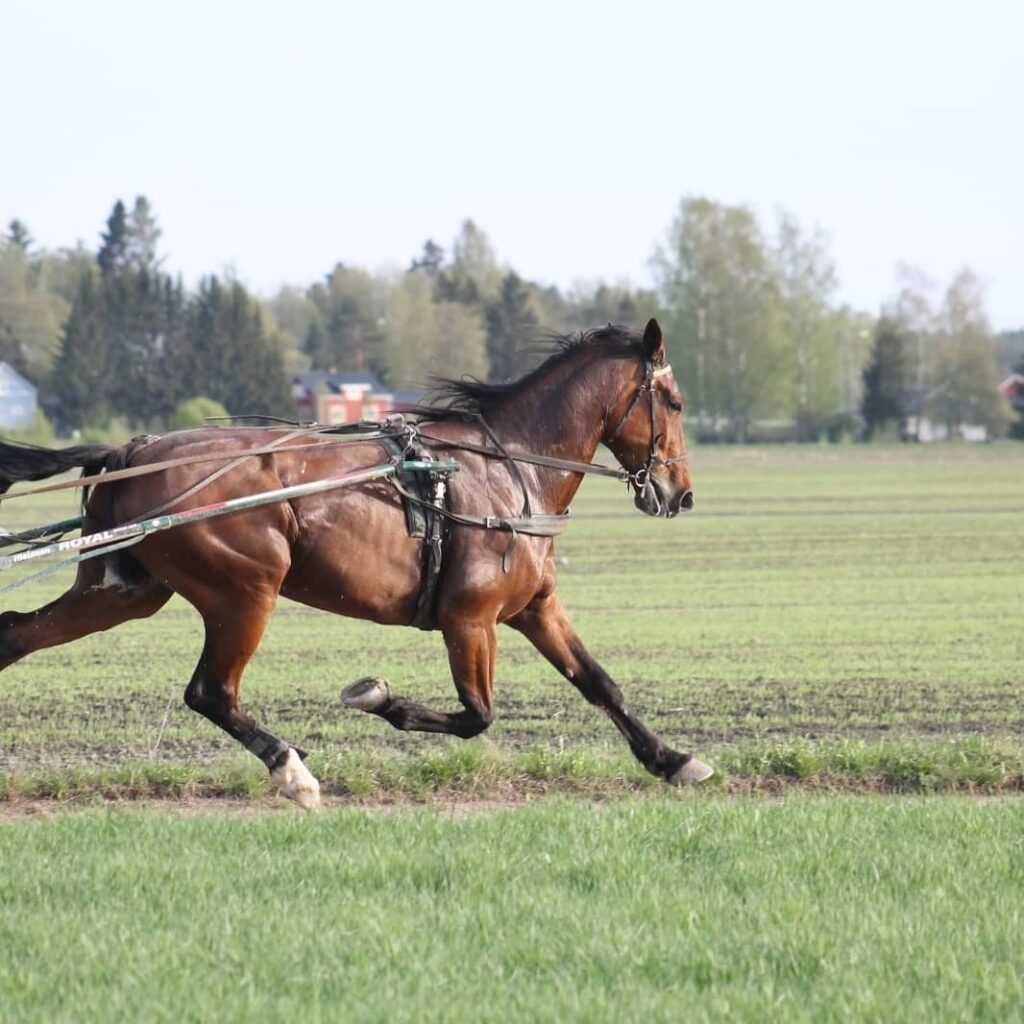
[(549, 461), (543, 524), (379, 430), (111, 476), (637, 476)]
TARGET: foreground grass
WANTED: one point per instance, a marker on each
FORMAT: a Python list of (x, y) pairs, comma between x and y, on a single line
[(704, 909)]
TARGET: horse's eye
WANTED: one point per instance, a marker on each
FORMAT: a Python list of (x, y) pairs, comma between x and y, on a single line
[(675, 404)]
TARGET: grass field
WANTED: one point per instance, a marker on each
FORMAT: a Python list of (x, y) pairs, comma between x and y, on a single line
[(830, 622), (693, 908), (842, 615)]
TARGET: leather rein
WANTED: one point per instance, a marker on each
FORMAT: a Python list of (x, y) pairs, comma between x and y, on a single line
[(538, 524)]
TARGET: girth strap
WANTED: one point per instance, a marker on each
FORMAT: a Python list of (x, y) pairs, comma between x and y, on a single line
[(537, 525), (424, 493)]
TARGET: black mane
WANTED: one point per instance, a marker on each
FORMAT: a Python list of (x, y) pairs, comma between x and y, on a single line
[(468, 396)]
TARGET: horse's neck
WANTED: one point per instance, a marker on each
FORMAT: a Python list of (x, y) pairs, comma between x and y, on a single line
[(562, 419)]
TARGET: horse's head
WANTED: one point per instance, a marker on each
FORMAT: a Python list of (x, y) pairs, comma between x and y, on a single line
[(644, 430)]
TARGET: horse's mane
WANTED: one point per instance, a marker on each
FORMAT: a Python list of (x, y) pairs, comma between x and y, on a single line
[(454, 399)]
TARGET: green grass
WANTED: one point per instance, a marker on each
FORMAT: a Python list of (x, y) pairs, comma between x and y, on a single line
[(828, 620), (826, 614), (480, 771), (696, 908)]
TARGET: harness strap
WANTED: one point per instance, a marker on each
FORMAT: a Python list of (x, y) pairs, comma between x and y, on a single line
[(216, 474), (512, 465), (646, 386), (569, 465), (435, 535), (188, 460), (540, 524)]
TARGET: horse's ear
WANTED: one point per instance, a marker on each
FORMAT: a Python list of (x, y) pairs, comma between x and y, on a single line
[(653, 343)]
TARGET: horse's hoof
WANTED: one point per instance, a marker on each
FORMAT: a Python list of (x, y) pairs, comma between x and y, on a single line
[(297, 783), (366, 694), (690, 773)]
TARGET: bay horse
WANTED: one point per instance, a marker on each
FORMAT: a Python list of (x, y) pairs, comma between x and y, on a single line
[(520, 447)]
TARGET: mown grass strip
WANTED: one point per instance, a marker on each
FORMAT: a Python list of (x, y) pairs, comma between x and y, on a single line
[(973, 764)]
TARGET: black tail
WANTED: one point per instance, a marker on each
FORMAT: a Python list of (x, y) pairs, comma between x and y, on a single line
[(31, 462)]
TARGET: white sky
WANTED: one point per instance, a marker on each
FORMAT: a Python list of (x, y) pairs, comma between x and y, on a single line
[(279, 138)]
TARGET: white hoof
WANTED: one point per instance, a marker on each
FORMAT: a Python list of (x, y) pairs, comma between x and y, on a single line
[(297, 783), (366, 694), (692, 772)]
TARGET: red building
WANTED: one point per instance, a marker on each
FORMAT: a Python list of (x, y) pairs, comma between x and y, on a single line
[(333, 398)]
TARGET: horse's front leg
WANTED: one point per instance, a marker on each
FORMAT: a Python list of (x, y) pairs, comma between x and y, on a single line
[(472, 648), (545, 623)]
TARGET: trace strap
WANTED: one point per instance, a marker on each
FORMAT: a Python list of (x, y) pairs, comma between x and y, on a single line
[(132, 533)]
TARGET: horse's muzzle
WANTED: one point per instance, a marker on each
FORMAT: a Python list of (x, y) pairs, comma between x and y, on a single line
[(682, 502), (652, 500)]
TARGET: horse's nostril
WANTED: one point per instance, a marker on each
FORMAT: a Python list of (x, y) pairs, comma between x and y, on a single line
[(686, 501)]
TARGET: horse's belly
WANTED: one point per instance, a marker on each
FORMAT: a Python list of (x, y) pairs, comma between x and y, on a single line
[(364, 566)]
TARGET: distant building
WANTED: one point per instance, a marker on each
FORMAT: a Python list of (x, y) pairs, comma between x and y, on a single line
[(18, 400), (331, 398), (918, 426), (1013, 387)]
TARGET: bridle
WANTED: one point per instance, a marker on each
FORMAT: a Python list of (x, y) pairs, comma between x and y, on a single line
[(640, 477)]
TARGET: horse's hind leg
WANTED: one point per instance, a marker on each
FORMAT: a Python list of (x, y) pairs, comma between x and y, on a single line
[(106, 592), (472, 649), (546, 625), (233, 633)]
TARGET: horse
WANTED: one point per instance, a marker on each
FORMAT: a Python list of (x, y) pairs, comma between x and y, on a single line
[(522, 447)]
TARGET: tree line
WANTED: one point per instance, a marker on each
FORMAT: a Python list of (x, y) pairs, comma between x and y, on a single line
[(935, 358), (110, 335), (758, 340), (761, 340)]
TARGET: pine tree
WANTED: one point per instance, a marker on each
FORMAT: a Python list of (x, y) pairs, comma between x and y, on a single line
[(113, 252), (253, 369), (228, 354), (142, 237), (145, 312), (473, 276), (430, 260), (602, 304), (18, 234), (511, 319), (317, 347), (885, 378), (1017, 403), (80, 391)]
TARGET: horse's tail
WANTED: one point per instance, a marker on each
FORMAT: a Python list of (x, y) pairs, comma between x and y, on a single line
[(32, 462)]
